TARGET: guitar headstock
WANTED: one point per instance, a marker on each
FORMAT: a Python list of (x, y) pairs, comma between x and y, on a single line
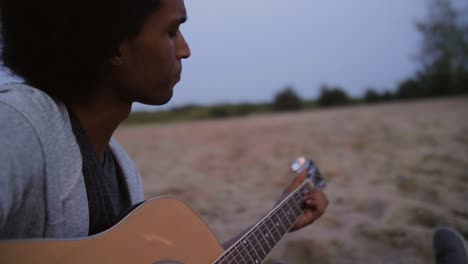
[(313, 173)]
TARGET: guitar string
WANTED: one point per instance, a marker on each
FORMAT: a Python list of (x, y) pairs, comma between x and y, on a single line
[(262, 239), (238, 253), (235, 252), (263, 242)]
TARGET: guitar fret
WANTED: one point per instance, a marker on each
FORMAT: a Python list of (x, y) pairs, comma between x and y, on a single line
[(279, 221), (258, 242), (294, 207), (298, 201), (289, 215), (272, 237), (276, 234), (264, 245), (267, 237), (284, 217), (253, 254), (274, 230), (238, 257), (274, 221), (257, 258), (263, 241), (226, 258), (298, 208), (235, 256), (262, 254), (243, 253), (246, 256)]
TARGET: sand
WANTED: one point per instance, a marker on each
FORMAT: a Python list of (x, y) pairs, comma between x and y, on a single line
[(394, 172)]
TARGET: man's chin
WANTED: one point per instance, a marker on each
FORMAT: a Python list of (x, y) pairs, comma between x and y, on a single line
[(157, 100)]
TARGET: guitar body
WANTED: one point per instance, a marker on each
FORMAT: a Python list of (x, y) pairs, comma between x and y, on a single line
[(160, 231), (167, 231)]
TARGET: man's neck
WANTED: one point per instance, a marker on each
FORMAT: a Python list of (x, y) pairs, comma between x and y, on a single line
[(100, 115)]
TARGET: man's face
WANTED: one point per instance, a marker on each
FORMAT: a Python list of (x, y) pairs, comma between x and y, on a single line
[(151, 64)]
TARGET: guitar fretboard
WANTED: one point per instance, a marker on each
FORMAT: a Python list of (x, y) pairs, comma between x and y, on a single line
[(257, 243)]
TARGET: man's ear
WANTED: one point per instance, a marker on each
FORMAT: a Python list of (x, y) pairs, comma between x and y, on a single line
[(117, 58)]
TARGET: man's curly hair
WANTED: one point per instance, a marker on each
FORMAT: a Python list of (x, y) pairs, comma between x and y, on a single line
[(63, 47)]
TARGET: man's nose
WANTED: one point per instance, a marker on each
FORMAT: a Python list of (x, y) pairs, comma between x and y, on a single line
[(183, 49)]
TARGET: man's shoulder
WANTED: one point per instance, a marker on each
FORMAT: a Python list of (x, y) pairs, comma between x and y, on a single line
[(27, 99), (39, 109), (33, 114)]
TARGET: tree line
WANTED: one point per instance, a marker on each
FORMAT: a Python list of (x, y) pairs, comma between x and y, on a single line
[(442, 57)]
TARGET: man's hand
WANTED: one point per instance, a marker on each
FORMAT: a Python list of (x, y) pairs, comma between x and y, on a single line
[(315, 203)]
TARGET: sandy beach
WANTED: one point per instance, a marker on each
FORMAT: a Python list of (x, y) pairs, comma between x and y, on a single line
[(394, 172)]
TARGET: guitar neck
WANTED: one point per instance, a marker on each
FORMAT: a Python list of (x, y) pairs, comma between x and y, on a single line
[(258, 242)]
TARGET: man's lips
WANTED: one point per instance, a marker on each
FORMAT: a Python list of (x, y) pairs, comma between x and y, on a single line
[(178, 75), (176, 79)]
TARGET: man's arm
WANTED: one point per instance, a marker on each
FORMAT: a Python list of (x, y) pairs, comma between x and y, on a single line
[(21, 160)]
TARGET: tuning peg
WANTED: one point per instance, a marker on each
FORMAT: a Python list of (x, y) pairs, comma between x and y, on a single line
[(299, 164), (313, 172)]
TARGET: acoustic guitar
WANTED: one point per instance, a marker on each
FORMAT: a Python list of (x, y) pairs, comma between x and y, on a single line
[(167, 231)]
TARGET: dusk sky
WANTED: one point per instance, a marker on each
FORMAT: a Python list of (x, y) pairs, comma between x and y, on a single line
[(246, 51)]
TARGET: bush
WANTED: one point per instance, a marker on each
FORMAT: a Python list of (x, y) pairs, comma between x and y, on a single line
[(388, 96), (287, 100), (244, 109), (372, 96), (332, 97), (220, 111), (410, 89)]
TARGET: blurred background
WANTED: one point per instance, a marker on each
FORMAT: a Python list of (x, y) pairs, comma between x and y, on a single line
[(374, 91), (248, 52)]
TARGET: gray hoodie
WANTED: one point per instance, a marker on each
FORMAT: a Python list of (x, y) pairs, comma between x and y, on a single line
[(42, 189)]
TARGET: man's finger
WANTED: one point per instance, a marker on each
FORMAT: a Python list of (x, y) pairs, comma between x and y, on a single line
[(297, 181)]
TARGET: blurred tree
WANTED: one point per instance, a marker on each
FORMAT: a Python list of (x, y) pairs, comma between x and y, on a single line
[(330, 96), (444, 50), (243, 109), (410, 89), (387, 96), (287, 100), (186, 108), (220, 111), (372, 96)]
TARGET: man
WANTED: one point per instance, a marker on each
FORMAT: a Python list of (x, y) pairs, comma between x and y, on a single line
[(84, 63)]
